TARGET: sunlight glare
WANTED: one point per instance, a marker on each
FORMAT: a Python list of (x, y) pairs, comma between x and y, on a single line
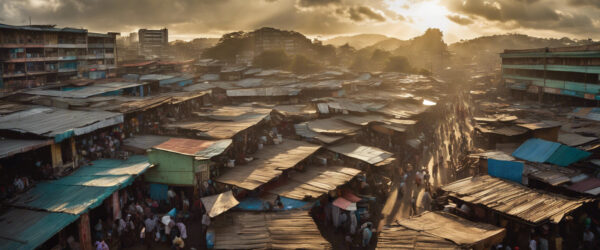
[(424, 14)]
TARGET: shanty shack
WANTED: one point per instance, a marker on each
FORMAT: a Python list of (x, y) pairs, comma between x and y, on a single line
[(183, 162)]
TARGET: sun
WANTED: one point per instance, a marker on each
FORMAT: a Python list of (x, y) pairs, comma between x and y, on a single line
[(422, 14)]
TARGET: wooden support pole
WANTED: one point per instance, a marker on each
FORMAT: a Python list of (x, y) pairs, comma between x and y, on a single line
[(85, 234)]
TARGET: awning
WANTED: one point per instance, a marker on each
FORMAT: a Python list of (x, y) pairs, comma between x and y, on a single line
[(367, 154), (9, 147), (84, 189), (344, 204), (28, 229), (220, 203)]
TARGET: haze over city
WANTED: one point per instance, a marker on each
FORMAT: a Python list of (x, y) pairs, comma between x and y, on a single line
[(300, 124), (403, 19)]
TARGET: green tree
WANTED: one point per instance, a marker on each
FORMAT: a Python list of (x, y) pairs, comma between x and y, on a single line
[(302, 65), (229, 46), (271, 59), (398, 64)]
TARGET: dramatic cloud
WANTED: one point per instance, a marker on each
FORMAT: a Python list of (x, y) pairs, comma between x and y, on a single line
[(362, 13), (460, 20), (535, 14), (311, 3), (400, 18), (595, 3)]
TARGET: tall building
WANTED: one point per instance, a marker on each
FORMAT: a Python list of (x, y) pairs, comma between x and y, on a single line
[(34, 55), (273, 39), (153, 43), (568, 71)]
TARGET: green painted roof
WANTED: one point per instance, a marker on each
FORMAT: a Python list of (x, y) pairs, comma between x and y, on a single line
[(27, 229), (56, 204)]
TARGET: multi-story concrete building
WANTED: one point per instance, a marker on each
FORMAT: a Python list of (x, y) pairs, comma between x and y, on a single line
[(153, 43), (568, 71), (273, 39), (33, 55)]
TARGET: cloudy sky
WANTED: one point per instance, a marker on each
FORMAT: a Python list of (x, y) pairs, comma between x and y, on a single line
[(187, 19)]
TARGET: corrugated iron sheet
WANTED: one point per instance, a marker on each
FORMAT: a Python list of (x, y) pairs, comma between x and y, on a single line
[(533, 206), (10, 147), (88, 91), (269, 163), (58, 123), (275, 230), (538, 150), (367, 154), (28, 229), (315, 181), (199, 148), (461, 231)]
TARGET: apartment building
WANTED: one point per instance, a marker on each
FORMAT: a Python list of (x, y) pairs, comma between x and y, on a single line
[(273, 39), (568, 71), (34, 55), (153, 43)]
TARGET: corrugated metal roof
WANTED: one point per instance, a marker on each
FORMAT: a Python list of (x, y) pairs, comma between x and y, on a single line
[(269, 163), (533, 206), (332, 126), (574, 140), (84, 189), (367, 154), (155, 77), (199, 148), (268, 91), (538, 150), (315, 181), (461, 231), (587, 113), (399, 237), (274, 230), (87, 91), (10, 147), (144, 142), (28, 229), (58, 123), (303, 130)]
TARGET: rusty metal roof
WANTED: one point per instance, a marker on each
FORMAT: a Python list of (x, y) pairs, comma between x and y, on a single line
[(205, 149), (509, 198)]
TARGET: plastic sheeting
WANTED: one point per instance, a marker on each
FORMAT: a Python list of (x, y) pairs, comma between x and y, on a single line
[(508, 170)]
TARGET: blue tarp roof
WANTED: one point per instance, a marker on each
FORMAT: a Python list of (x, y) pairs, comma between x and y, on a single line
[(27, 229), (508, 170), (538, 150)]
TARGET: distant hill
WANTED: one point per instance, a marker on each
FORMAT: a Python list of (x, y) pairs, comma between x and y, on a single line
[(357, 41), (389, 44)]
